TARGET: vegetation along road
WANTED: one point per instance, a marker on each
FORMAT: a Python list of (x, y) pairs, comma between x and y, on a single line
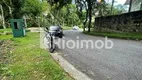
[(23, 59)]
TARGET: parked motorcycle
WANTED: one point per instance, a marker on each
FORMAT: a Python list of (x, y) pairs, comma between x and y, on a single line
[(52, 33)]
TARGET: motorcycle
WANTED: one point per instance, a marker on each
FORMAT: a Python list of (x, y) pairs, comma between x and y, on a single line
[(52, 33)]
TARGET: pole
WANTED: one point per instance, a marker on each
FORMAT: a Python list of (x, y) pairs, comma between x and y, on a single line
[(112, 6), (130, 5)]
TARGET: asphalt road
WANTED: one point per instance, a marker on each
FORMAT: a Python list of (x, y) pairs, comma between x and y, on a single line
[(122, 62)]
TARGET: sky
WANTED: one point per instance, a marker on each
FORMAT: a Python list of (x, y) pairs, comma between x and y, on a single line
[(121, 1), (117, 1)]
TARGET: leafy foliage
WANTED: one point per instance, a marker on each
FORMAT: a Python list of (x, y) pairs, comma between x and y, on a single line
[(55, 12), (34, 7), (65, 16), (17, 5), (59, 3)]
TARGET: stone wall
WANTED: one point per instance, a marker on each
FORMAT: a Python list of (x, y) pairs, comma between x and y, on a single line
[(128, 22)]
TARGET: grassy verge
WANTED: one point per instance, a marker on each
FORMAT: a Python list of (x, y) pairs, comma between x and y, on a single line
[(132, 36), (28, 62), (7, 30), (67, 28)]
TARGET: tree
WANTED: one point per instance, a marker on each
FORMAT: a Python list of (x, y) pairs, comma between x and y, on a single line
[(56, 7), (34, 7), (101, 9), (8, 4), (17, 8), (67, 15), (2, 15), (89, 5), (80, 5), (118, 9), (11, 9), (6, 10), (59, 3), (62, 12), (34, 10)]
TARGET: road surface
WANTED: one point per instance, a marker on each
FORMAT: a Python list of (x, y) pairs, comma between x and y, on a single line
[(122, 62)]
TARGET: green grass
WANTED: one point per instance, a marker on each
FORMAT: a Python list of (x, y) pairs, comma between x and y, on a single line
[(67, 28), (7, 29), (132, 36), (28, 61)]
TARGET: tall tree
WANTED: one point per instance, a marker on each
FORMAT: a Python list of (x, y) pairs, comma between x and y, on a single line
[(101, 8), (34, 7), (7, 9), (56, 6), (9, 5), (12, 9), (90, 6), (90, 3), (87, 4), (86, 19)]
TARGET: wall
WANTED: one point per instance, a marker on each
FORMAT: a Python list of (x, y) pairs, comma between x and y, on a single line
[(128, 22)]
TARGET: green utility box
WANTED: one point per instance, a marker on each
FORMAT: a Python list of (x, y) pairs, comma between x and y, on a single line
[(18, 27)]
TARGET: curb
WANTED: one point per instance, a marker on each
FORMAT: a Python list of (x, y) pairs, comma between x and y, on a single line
[(76, 74)]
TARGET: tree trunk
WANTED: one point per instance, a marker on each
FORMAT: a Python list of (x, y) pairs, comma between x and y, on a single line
[(10, 12), (90, 19), (130, 5), (90, 15), (112, 6), (10, 9), (85, 20), (84, 23), (3, 20)]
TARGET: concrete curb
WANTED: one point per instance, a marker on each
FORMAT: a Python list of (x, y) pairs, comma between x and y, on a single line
[(76, 74)]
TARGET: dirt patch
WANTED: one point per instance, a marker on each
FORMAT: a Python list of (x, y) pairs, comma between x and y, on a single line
[(5, 50)]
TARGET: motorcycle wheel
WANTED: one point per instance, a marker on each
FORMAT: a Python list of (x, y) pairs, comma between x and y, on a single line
[(52, 45), (49, 43)]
